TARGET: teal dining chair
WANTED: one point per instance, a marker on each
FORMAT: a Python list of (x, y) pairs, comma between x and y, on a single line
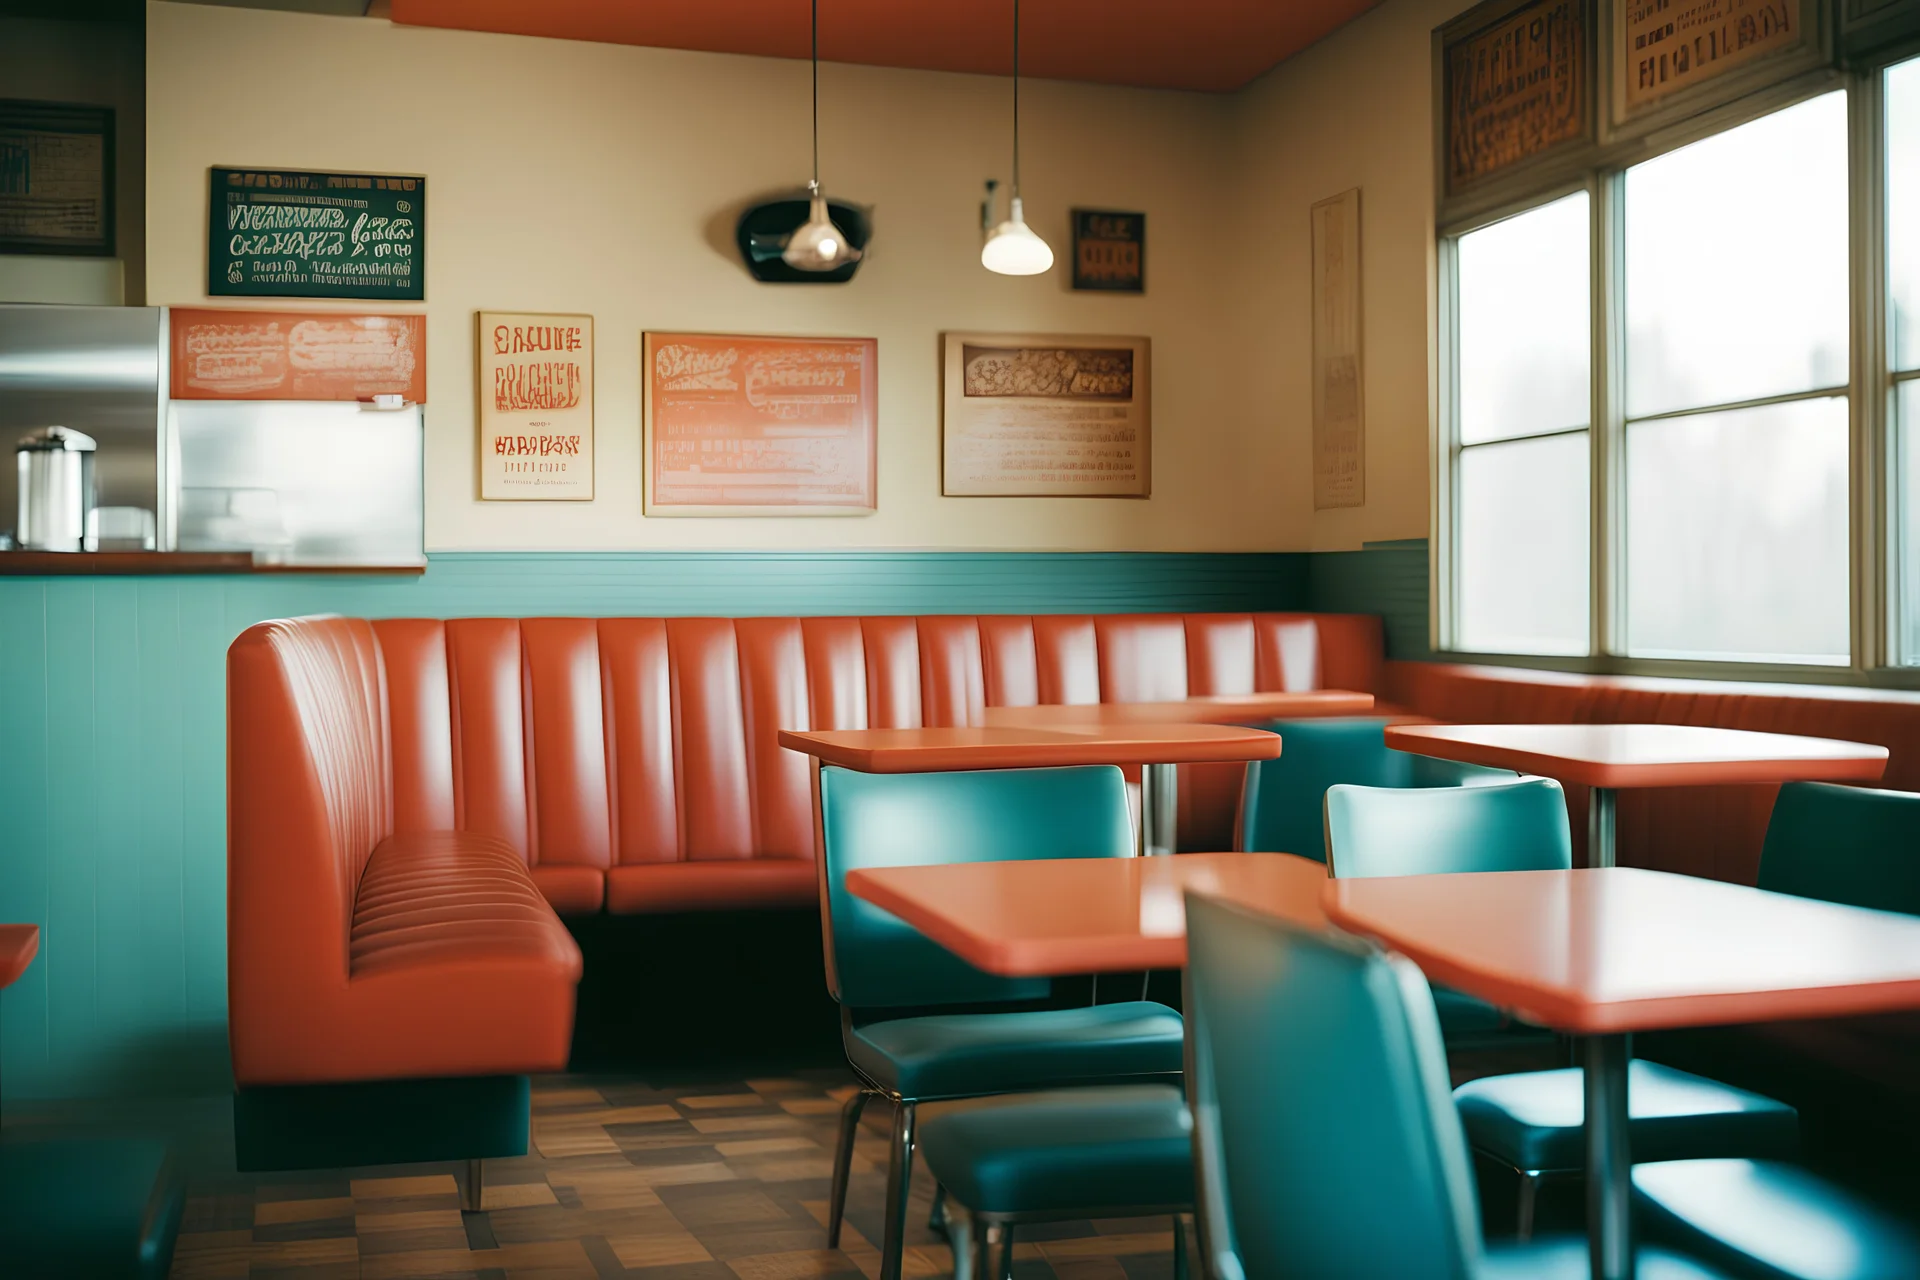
[(1112, 1151), (1859, 846), (1325, 1141), (1533, 1121), (1281, 800), (892, 982)]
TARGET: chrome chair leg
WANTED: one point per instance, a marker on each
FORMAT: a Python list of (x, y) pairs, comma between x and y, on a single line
[(986, 1237), (1529, 1202), (937, 1216), (960, 1229), (474, 1190), (843, 1165), (893, 1238), (1179, 1246), (1006, 1253)]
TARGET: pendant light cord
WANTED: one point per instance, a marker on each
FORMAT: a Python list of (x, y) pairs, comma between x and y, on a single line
[(1016, 98), (816, 93)]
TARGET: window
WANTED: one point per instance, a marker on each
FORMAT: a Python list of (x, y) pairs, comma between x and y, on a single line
[(1736, 299), (1902, 87), (1521, 466), (1724, 442)]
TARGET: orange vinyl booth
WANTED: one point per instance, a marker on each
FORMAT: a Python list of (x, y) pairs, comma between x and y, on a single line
[(411, 801)]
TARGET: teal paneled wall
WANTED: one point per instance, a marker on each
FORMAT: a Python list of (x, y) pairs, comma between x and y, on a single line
[(112, 714), (1387, 578)]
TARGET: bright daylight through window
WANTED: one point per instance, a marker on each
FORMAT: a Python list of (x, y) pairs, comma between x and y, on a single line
[(1521, 464), (1732, 364), (1903, 306)]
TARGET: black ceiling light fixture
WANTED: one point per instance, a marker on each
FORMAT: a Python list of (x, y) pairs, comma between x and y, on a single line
[(810, 241)]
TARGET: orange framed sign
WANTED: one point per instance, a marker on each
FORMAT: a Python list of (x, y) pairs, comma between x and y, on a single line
[(234, 354), (742, 425), (536, 407)]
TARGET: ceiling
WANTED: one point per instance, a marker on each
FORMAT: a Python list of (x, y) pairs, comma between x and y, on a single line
[(1213, 45)]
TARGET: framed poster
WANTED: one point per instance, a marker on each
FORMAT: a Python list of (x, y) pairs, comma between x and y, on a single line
[(1661, 49), (1339, 417), (740, 425), (221, 354), (56, 179), (282, 233), (1046, 415), (1109, 251), (1517, 82), (535, 402)]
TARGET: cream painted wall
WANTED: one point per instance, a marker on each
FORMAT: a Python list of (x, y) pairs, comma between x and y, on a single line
[(97, 64), (1356, 110), (634, 162)]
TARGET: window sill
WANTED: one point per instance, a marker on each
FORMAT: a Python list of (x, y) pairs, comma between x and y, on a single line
[(1743, 673)]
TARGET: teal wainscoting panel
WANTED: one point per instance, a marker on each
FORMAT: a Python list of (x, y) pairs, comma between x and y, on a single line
[(113, 712), (1387, 578)]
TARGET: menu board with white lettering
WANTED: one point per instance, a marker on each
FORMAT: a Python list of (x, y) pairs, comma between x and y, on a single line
[(1047, 415), (536, 407), (277, 233), (740, 425), (1663, 46)]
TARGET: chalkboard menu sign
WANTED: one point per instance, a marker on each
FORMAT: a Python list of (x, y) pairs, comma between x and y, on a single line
[(276, 233)]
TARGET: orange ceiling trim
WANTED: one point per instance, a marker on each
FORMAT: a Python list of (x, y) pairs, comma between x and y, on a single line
[(1209, 45)]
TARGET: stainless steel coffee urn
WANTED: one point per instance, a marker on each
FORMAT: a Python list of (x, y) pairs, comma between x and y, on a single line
[(56, 489)]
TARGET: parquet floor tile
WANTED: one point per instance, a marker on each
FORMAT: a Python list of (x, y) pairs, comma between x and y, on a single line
[(627, 1179)]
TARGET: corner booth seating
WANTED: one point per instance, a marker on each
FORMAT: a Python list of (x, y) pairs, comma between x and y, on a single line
[(411, 802)]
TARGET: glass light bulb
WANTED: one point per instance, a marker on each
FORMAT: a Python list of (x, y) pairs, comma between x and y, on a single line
[(818, 245), (1012, 248)]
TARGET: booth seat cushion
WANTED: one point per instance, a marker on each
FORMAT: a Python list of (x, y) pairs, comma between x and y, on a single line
[(739, 883), (1111, 1149), (961, 1055), (458, 965)]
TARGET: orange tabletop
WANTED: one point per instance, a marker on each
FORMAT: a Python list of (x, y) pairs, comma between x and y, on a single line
[(1645, 755), (1618, 949), (1235, 708), (19, 943), (1054, 918), (932, 750)]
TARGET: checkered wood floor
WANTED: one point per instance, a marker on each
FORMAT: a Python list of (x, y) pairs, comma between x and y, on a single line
[(715, 1181)]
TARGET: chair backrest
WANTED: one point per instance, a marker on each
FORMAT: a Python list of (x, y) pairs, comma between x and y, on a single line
[(876, 960), (1855, 845), (1281, 801), (1508, 826), (1326, 1140)]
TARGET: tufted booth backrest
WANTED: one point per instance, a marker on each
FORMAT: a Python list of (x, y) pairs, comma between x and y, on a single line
[(617, 742), (308, 760)]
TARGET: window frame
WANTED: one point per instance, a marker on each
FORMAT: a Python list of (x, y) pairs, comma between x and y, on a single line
[(1871, 390)]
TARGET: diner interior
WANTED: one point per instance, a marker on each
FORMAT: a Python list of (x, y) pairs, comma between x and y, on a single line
[(758, 691)]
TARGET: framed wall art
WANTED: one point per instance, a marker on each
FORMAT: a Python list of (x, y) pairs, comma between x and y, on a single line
[(745, 425), (56, 179), (535, 400), (1046, 415), (1109, 251), (247, 354), (1517, 82), (1339, 408)]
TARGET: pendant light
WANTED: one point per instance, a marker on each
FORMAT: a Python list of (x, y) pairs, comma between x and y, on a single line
[(1012, 249), (817, 245)]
